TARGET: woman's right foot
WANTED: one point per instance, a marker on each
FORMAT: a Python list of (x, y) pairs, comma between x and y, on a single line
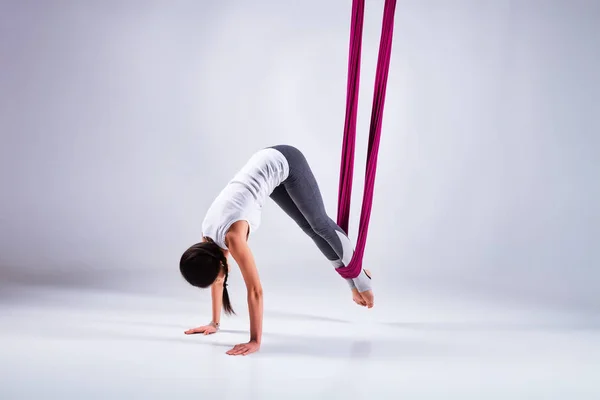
[(365, 297), (363, 281), (357, 298), (368, 298)]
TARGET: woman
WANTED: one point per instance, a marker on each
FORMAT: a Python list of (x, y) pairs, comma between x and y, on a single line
[(282, 173)]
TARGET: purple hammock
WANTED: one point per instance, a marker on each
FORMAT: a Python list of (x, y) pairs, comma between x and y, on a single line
[(353, 269)]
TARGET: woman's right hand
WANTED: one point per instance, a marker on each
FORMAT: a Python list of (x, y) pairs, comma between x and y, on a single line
[(206, 330)]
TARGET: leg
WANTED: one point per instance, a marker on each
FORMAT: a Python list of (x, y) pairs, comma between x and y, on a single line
[(282, 198), (304, 191)]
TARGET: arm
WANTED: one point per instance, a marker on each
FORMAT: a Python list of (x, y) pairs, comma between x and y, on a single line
[(216, 292), (240, 251)]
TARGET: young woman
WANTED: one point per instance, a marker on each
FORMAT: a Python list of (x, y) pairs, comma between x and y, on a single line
[(283, 174)]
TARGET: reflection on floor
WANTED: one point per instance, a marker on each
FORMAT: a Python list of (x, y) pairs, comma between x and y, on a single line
[(116, 346)]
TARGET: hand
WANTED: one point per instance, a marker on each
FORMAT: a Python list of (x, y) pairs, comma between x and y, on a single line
[(206, 330), (244, 349)]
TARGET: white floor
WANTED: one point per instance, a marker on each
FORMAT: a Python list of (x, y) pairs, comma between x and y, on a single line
[(96, 345)]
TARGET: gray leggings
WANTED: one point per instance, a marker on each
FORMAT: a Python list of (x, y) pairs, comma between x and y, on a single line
[(299, 196)]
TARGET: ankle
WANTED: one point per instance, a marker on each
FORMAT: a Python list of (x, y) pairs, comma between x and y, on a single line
[(363, 282)]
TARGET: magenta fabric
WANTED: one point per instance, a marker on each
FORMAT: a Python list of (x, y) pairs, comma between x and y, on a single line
[(353, 269)]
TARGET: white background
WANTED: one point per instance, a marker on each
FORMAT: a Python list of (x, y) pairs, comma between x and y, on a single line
[(121, 121)]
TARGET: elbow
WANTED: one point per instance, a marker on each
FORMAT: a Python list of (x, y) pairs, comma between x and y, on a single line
[(255, 292), (219, 282)]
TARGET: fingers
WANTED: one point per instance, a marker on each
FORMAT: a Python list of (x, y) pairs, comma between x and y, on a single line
[(242, 350), (232, 351), (194, 331), (237, 350), (206, 330)]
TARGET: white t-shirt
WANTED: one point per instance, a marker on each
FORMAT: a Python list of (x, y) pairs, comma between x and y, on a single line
[(244, 196)]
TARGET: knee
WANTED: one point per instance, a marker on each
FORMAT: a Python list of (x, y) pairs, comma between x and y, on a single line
[(323, 226), (306, 228)]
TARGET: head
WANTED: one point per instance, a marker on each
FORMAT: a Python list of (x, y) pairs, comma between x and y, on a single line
[(202, 264)]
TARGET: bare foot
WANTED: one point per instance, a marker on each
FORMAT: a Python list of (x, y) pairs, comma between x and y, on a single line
[(364, 299), (358, 299), (368, 298)]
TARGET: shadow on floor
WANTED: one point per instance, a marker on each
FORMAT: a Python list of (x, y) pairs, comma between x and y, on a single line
[(274, 344), (314, 345), (103, 334), (495, 326), (303, 317), (276, 314), (285, 344)]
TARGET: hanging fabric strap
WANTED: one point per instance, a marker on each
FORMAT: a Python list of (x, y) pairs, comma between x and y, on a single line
[(353, 269)]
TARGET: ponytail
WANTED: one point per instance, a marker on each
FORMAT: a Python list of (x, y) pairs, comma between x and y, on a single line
[(226, 301)]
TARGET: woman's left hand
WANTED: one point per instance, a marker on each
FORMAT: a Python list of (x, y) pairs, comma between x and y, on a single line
[(243, 349)]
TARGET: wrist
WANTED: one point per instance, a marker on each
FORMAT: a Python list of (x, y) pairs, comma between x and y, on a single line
[(214, 324), (257, 341)]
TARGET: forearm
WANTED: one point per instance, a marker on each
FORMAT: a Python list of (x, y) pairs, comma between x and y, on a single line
[(245, 260), (255, 308), (216, 291)]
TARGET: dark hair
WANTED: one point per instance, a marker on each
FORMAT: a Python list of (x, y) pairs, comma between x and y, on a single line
[(200, 266)]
